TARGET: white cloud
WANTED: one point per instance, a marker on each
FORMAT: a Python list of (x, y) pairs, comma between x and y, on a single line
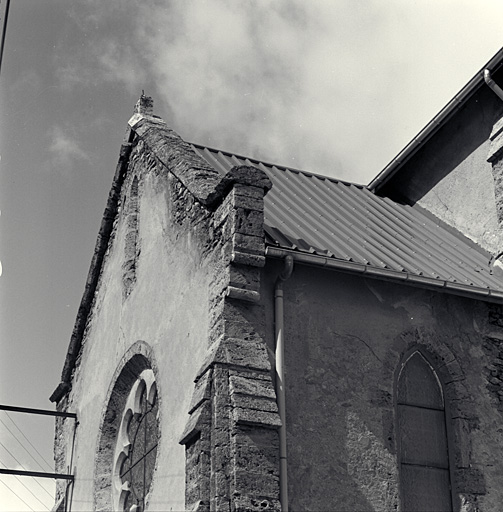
[(338, 87), (65, 148)]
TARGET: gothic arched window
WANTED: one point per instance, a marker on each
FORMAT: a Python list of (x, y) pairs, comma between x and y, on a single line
[(136, 448), (422, 439)]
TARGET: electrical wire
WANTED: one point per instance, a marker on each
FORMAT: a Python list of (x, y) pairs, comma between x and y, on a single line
[(14, 492), (30, 443), (26, 487), (38, 483)]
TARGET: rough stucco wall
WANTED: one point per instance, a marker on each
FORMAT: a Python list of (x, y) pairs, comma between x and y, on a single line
[(450, 175), (168, 309), (465, 200), (344, 340)]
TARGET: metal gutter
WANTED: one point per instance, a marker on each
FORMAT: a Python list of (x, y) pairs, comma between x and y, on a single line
[(492, 84), (437, 122), (430, 283)]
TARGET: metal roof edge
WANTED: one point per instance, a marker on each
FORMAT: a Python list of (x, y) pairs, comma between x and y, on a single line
[(94, 273), (474, 292), (437, 122), (278, 166)]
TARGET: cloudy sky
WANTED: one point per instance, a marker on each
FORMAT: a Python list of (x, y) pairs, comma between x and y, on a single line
[(335, 87)]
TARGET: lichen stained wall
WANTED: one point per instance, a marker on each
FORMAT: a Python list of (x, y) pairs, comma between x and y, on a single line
[(165, 305), (345, 337)]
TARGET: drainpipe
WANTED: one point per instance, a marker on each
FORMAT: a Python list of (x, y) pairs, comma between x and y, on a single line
[(280, 376), (492, 84)]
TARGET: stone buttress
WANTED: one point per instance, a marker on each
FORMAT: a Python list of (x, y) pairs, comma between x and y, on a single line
[(231, 438)]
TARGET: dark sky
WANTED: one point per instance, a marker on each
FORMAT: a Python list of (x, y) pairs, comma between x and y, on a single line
[(334, 87)]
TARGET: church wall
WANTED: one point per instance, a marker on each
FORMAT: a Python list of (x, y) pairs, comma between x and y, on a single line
[(345, 337), (450, 176), (160, 298)]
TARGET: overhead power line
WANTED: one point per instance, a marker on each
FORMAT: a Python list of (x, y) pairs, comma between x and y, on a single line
[(27, 488), (16, 494), (37, 482), (48, 466)]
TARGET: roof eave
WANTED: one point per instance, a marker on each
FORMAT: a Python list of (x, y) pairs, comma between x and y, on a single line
[(471, 291), (437, 122)]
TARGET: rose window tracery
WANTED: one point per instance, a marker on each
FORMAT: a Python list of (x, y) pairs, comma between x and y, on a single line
[(136, 448)]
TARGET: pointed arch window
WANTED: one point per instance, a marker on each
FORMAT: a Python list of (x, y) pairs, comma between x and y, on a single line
[(422, 438), (136, 449)]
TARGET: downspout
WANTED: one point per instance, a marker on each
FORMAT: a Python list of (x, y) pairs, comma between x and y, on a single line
[(492, 84), (280, 376)]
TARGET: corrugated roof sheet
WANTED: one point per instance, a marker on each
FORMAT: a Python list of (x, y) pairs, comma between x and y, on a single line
[(318, 215)]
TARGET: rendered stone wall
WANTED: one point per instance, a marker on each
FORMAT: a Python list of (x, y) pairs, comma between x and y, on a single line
[(179, 292), (165, 306), (450, 176), (345, 337)]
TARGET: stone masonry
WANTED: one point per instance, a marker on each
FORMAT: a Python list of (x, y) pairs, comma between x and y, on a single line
[(230, 437), (231, 434)]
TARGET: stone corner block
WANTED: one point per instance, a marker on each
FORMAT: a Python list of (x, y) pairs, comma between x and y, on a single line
[(250, 354), (245, 175), (243, 258), (267, 419), (241, 294), (235, 352), (201, 392), (194, 425), (248, 384)]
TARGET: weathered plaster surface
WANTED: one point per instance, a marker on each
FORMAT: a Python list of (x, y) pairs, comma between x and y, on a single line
[(181, 274), (168, 309), (345, 337), (465, 200)]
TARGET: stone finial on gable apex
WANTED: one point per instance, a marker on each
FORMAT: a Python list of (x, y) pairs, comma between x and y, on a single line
[(144, 105)]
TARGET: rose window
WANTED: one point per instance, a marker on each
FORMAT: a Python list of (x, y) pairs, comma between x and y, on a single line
[(137, 442)]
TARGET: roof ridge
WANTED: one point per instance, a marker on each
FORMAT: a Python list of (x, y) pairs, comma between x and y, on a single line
[(280, 167)]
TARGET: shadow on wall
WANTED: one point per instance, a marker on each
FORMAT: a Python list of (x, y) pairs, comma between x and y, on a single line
[(371, 466), (356, 473), (448, 148), (340, 447)]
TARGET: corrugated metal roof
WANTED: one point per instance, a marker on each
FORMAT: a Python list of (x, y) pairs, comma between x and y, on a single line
[(318, 215)]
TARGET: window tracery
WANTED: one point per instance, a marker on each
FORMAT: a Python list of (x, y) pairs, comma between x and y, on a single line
[(136, 448)]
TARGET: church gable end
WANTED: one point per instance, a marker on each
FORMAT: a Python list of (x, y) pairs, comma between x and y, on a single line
[(181, 272)]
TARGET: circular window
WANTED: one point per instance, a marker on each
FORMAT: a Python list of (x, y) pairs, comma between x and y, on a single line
[(136, 448)]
